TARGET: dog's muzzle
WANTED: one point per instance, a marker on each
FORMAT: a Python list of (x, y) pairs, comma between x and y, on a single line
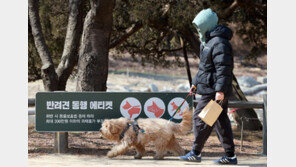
[(100, 134)]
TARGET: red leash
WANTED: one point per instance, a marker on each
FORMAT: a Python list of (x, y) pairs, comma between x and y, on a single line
[(190, 93), (233, 110)]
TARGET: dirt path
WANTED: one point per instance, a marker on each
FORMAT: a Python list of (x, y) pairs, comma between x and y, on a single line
[(87, 149), (56, 160)]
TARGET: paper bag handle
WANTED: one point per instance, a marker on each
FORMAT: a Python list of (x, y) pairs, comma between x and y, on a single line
[(220, 102)]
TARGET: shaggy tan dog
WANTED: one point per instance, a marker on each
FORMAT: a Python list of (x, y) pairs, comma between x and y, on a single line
[(160, 132)]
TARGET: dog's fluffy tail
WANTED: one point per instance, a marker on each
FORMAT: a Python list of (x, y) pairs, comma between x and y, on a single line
[(185, 125)]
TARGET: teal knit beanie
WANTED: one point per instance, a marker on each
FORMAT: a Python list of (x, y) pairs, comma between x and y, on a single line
[(205, 20)]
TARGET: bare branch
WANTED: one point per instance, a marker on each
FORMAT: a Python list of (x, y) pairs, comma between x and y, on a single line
[(70, 53), (49, 75), (37, 32), (249, 5), (170, 50), (229, 10), (130, 31)]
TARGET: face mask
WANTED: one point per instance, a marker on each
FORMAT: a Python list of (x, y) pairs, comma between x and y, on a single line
[(205, 21), (200, 33)]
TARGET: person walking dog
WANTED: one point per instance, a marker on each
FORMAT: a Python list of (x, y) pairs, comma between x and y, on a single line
[(214, 82)]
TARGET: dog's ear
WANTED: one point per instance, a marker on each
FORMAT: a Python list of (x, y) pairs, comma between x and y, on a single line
[(113, 128)]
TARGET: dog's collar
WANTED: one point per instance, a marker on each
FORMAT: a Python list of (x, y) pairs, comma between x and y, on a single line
[(124, 130), (135, 127)]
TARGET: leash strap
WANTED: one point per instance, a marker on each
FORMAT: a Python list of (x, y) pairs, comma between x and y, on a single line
[(190, 93), (135, 126), (179, 107), (124, 130), (220, 102)]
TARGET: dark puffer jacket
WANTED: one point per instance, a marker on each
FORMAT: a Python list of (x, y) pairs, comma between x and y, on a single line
[(216, 63)]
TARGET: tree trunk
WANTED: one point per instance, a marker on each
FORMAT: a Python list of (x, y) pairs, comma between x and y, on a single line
[(53, 81), (70, 53), (69, 59), (187, 66), (183, 44), (237, 94), (49, 76), (94, 49)]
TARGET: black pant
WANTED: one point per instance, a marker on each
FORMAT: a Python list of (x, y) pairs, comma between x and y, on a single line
[(222, 127)]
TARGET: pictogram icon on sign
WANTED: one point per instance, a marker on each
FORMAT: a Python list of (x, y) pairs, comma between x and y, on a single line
[(154, 107), (173, 106), (130, 107)]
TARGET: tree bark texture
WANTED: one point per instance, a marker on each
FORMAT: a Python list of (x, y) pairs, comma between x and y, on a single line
[(56, 79), (93, 54), (70, 53), (49, 76), (53, 80)]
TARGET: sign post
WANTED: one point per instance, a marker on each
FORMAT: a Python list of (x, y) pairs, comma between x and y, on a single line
[(60, 142)]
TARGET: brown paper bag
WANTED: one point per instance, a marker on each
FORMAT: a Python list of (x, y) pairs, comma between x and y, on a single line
[(210, 113)]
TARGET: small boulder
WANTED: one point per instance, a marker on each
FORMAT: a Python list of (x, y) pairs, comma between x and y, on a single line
[(153, 88), (167, 89), (123, 89), (247, 81), (110, 90), (144, 89), (183, 88), (262, 80)]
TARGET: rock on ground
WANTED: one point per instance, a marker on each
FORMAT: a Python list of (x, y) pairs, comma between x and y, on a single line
[(262, 79), (153, 88), (167, 89), (247, 81), (255, 89), (183, 88)]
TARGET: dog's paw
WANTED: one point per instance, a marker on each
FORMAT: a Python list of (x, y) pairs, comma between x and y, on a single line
[(157, 157), (180, 152), (111, 154), (138, 156)]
